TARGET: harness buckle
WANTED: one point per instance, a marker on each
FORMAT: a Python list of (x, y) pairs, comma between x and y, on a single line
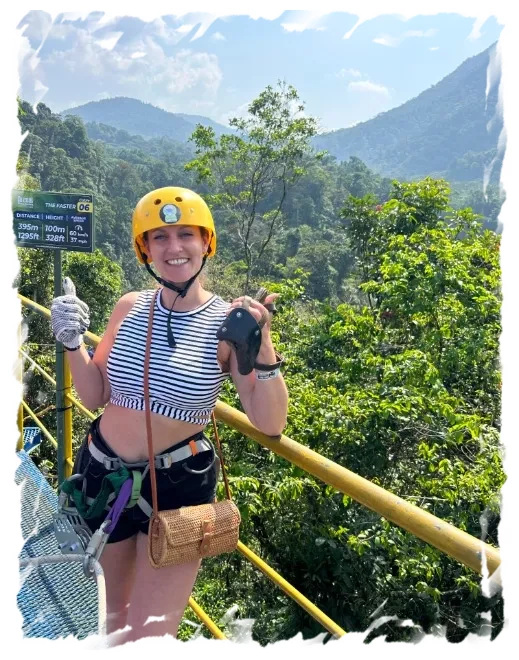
[(163, 462), (112, 462)]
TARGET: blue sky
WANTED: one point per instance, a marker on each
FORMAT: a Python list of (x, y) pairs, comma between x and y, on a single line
[(201, 63)]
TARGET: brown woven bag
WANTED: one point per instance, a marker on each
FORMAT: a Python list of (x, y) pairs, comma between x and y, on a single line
[(181, 535)]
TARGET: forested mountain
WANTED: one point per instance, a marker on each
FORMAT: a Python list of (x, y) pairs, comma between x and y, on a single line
[(450, 130), (142, 118)]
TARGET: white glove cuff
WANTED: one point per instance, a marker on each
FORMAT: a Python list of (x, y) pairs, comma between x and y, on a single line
[(74, 344)]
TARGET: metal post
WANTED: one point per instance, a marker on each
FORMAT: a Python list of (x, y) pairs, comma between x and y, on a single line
[(19, 444), (60, 379), (67, 385)]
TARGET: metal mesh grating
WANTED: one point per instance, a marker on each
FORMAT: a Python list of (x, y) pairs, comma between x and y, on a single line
[(55, 600)]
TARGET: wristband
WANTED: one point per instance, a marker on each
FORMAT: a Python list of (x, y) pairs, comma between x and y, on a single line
[(267, 375), (270, 367), (72, 349)]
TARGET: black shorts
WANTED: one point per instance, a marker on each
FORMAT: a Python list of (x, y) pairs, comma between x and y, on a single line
[(176, 487)]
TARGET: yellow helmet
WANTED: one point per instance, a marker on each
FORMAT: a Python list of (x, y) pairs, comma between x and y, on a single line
[(170, 206)]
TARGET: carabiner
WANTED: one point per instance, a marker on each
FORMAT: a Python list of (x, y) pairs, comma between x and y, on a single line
[(206, 469)]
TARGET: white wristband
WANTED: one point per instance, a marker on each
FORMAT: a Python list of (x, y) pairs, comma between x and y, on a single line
[(267, 375)]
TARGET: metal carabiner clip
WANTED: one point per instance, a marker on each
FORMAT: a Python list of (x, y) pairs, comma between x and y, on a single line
[(95, 548), (206, 469)]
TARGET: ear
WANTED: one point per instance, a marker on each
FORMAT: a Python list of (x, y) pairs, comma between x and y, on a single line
[(206, 239)]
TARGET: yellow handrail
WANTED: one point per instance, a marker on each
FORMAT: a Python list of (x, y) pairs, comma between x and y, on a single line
[(291, 591), (435, 531), (69, 397), (209, 623)]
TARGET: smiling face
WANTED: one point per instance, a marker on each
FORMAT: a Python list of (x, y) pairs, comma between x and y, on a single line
[(177, 251)]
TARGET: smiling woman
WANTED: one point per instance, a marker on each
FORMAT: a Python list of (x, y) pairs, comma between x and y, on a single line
[(173, 231)]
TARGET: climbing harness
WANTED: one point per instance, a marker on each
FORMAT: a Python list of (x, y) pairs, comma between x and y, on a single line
[(73, 534), (162, 461), (122, 484), (243, 333)]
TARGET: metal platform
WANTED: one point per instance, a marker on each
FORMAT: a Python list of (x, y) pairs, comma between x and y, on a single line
[(55, 600)]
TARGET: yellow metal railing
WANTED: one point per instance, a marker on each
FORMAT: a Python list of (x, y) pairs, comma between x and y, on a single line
[(442, 535), (446, 537)]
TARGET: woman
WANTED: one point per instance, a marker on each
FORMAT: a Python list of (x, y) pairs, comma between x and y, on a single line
[(172, 229)]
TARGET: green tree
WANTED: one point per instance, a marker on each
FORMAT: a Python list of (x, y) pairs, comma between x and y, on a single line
[(250, 171), (375, 393)]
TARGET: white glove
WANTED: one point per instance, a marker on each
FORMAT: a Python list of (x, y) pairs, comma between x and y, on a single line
[(70, 317)]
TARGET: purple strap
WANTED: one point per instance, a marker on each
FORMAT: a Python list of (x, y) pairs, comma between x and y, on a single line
[(118, 507)]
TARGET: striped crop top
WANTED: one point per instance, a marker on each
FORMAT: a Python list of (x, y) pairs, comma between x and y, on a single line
[(184, 381)]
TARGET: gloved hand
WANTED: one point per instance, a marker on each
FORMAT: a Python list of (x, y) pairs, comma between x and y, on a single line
[(70, 317)]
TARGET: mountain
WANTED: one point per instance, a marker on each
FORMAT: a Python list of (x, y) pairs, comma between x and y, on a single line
[(143, 119), (449, 130)]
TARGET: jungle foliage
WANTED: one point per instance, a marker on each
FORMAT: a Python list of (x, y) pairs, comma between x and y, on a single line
[(389, 321)]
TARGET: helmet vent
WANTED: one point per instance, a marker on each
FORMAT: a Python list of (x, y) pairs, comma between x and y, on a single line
[(158, 201), (178, 199)]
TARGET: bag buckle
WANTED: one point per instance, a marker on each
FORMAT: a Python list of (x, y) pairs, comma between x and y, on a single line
[(206, 536)]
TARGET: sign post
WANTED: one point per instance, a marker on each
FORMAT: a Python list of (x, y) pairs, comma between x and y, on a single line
[(57, 221)]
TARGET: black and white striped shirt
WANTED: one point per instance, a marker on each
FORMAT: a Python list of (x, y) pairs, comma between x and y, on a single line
[(184, 381)]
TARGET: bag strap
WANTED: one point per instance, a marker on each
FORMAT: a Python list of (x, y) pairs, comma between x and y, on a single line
[(151, 453), (146, 384), (220, 454)]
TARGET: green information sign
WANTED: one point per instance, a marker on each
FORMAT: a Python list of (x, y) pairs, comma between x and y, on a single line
[(62, 221)]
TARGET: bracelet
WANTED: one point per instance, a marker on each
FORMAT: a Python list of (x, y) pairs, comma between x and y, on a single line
[(267, 375), (270, 367), (72, 349)]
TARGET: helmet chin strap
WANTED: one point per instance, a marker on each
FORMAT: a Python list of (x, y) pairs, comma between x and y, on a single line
[(182, 291)]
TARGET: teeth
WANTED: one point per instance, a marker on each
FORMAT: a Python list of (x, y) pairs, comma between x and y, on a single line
[(177, 262)]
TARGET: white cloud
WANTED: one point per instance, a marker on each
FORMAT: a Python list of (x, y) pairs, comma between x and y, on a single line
[(241, 111), (109, 42), (368, 86), (392, 42), (386, 41), (178, 27), (293, 27), (304, 20), (205, 23), (141, 64), (434, 48), (346, 73), (476, 29), (218, 36)]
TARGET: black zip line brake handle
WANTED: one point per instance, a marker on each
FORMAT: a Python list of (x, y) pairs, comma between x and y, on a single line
[(243, 333)]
